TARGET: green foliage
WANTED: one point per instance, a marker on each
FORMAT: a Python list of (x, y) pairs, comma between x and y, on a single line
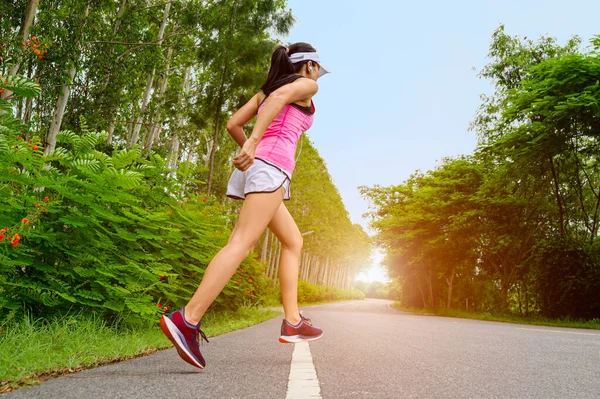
[(319, 293), (377, 289), (567, 280), (108, 233), (515, 226)]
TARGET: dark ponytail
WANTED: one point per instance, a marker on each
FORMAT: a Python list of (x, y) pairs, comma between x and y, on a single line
[(281, 64)]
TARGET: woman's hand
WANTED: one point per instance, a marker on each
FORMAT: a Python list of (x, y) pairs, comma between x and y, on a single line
[(245, 157)]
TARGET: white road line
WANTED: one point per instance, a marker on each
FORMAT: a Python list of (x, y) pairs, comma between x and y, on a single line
[(391, 308), (303, 381), (559, 332)]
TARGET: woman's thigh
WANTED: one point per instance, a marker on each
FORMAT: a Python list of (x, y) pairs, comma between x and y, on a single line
[(256, 213), (285, 229)]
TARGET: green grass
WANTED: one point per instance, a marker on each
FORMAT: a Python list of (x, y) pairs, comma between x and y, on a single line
[(593, 324), (34, 350)]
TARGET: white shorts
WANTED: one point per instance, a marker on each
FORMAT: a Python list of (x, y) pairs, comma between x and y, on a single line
[(260, 177)]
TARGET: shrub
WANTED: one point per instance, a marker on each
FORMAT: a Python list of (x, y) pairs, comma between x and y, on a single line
[(82, 229)]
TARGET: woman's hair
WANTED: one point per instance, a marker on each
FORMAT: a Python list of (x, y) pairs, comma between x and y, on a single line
[(281, 64)]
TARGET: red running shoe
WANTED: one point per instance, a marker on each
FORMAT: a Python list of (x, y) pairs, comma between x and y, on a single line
[(184, 336), (301, 332)]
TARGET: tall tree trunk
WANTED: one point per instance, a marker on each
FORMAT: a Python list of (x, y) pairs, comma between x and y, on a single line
[(140, 119), (174, 151), (157, 125), (263, 253), (505, 285), (146, 99), (526, 300), (63, 98), (422, 292), (277, 259), (558, 198), (30, 11), (430, 286), (215, 140), (449, 283), (220, 100), (519, 292), (115, 108)]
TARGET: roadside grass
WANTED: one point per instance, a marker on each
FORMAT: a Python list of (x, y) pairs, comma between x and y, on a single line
[(32, 351), (593, 324)]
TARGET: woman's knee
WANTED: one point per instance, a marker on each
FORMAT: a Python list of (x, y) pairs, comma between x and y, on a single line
[(239, 245), (294, 244)]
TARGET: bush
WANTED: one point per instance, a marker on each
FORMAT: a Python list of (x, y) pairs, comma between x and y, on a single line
[(81, 229), (567, 279), (317, 293)]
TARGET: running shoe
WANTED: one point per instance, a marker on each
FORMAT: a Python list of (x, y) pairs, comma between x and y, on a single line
[(301, 332), (184, 336)]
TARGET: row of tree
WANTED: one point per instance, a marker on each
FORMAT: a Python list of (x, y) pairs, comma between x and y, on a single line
[(163, 78), (515, 225)]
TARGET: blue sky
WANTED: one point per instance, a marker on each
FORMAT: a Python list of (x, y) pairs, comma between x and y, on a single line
[(403, 91)]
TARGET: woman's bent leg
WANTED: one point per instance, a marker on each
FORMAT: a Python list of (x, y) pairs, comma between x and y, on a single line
[(256, 213), (285, 229)]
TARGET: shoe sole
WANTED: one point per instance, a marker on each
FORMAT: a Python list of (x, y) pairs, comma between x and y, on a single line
[(172, 332), (294, 339)]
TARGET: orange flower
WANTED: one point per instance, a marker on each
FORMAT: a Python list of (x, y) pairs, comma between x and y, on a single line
[(34, 38), (19, 138), (159, 306), (35, 147), (41, 57), (166, 308), (1, 237), (25, 220), (4, 230), (46, 199), (250, 280)]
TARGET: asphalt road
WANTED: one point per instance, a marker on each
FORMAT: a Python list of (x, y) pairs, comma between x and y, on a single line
[(368, 350)]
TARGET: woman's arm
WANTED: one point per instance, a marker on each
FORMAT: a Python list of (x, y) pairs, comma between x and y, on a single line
[(241, 117), (299, 90)]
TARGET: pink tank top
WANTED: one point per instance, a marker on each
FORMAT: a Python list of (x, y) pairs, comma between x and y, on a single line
[(278, 144)]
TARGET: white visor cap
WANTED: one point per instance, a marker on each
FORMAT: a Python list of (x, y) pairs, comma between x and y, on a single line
[(312, 56)]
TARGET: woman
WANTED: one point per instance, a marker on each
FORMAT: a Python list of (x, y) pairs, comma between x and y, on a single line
[(262, 177)]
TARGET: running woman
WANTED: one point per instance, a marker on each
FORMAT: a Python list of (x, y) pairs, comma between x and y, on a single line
[(261, 178)]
